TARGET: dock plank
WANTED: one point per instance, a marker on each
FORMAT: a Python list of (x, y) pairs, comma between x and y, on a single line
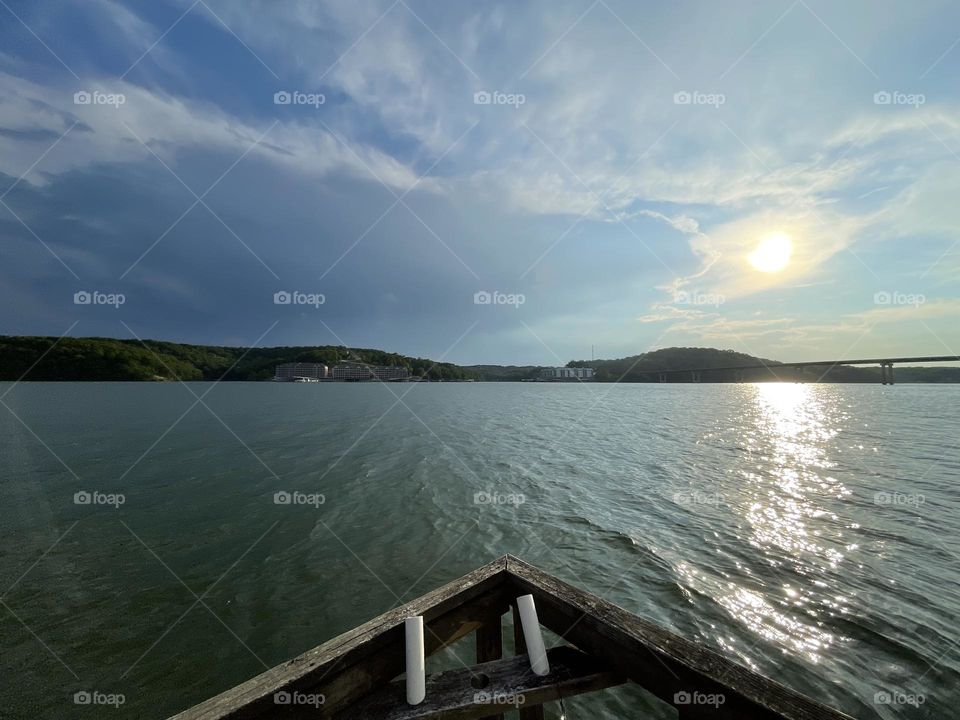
[(506, 684)]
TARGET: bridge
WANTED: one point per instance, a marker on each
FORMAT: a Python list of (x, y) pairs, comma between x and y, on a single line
[(886, 367)]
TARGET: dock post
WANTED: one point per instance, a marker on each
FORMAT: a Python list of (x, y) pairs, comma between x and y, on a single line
[(490, 647), (415, 668), (527, 713)]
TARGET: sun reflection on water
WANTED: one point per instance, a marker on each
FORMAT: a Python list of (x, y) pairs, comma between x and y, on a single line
[(783, 510)]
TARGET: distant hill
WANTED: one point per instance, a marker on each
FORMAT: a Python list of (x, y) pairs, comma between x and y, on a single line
[(46, 358), (112, 359), (644, 367)]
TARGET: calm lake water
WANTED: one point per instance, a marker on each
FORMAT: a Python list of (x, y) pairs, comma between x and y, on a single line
[(810, 532)]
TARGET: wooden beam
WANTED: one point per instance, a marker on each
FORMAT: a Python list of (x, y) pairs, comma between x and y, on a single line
[(350, 665), (665, 664), (470, 693), (490, 646)]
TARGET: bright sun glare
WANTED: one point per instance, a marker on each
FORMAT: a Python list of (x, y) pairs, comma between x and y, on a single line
[(773, 253)]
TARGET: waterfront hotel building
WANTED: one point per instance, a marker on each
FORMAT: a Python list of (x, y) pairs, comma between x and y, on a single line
[(353, 372), (288, 372), (568, 374)]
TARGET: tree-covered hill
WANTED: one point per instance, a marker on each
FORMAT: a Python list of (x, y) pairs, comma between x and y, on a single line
[(504, 373), (645, 367), (46, 358)]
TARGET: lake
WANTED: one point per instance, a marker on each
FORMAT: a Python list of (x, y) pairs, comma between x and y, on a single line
[(810, 532)]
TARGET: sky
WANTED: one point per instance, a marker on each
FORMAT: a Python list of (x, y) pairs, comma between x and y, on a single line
[(484, 182)]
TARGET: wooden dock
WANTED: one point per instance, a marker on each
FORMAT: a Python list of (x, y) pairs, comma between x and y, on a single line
[(355, 675)]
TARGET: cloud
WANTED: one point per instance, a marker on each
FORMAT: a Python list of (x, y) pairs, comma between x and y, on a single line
[(599, 195), (149, 122)]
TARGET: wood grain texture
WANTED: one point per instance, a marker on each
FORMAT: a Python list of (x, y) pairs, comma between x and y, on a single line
[(470, 693), (361, 665)]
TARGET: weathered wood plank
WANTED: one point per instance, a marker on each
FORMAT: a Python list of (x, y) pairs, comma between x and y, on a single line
[(373, 650), (490, 639), (470, 693), (658, 660), (490, 646), (344, 686), (353, 667)]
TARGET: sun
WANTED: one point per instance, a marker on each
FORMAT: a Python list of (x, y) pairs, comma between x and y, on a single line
[(773, 253)]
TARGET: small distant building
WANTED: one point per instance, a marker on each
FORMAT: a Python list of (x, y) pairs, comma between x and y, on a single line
[(357, 373), (288, 372), (566, 374)]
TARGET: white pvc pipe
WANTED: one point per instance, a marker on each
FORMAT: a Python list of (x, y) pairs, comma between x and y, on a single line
[(532, 635), (416, 678)]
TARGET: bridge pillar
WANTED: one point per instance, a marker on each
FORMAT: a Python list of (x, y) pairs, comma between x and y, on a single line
[(798, 373), (740, 376), (694, 376), (886, 373), (663, 377)]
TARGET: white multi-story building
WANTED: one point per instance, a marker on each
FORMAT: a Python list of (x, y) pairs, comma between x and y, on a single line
[(355, 373), (288, 372), (555, 374)]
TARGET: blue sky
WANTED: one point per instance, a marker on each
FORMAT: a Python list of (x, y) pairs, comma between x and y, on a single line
[(631, 157)]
